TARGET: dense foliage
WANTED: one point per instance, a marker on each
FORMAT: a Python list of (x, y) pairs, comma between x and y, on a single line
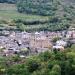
[(8, 1), (61, 15), (52, 24), (47, 63), (42, 7)]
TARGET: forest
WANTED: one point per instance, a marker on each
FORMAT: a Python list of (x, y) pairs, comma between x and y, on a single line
[(60, 13), (8, 1), (47, 63)]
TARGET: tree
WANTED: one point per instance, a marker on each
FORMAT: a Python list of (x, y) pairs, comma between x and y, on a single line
[(32, 65), (20, 26), (55, 39), (19, 69), (8, 1), (56, 70), (40, 7)]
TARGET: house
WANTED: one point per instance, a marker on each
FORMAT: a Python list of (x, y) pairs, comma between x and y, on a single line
[(59, 48), (41, 42), (12, 34), (71, 33), (61, 43), (72, 41), (6, 33), (52, 35), (26, 35)]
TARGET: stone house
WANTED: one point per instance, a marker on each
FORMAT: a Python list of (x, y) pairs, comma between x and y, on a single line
[(42, 42)]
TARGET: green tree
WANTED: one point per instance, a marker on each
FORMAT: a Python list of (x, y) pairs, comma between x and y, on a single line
[(56, 70)]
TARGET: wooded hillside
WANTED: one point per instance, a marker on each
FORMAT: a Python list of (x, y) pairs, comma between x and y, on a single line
[(8, 1), (60, 14)]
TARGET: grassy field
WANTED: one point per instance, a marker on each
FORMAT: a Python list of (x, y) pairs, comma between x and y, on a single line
[(9, 11)]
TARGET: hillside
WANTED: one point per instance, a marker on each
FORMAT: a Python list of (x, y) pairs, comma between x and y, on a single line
[(8, 13), (69, 1), (8, 1), (36, 15), (61, 13), (43, 7)]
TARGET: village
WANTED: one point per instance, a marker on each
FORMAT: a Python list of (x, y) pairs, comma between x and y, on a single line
[(25, 43)]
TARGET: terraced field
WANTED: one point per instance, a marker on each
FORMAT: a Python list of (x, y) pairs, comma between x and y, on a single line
[(8, 12)]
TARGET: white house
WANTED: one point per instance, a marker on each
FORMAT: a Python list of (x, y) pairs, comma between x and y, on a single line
[(58, 47), (61, 43)]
